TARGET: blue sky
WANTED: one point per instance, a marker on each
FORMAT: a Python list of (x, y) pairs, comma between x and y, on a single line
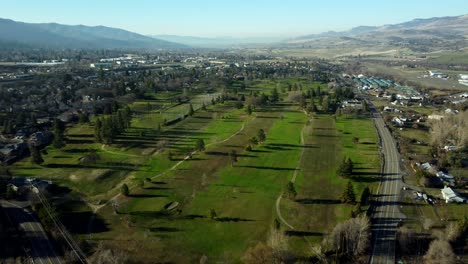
[(240, 18)]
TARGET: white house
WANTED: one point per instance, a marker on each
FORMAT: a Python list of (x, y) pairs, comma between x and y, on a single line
[(451, 196)]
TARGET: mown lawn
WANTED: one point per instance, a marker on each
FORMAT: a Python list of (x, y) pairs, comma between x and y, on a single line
[(242, 195), (317, 207)]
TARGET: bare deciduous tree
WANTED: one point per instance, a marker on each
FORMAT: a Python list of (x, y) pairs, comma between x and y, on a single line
[(439, 252), (259, 254), (351, 237), (105, 255), (452, 128), (278, 242)]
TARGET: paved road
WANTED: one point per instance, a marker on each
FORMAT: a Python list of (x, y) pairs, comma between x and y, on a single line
[(42, 250), (386, 214)]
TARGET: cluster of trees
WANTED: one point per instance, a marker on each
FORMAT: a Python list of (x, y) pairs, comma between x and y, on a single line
[(261, 137), (106, 128), (350, 239), (452, 129), (440, 247)]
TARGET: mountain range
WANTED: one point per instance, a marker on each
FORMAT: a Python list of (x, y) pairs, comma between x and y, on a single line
[(438, 32), (53, 35)]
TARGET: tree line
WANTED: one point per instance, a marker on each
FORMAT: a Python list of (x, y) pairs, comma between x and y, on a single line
[(108, 127)]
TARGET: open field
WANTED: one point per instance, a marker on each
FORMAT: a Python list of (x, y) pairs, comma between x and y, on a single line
[(317, 207)]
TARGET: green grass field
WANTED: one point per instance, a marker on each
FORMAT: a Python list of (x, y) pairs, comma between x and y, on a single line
[(318, 208)]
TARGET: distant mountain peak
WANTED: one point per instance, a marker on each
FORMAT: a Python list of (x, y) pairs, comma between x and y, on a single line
[(54, 35)]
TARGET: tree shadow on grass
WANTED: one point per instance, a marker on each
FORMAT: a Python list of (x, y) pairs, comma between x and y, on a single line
[(225, 154), (159, 182), (233, 219), (371, 178), (294, 233), (269, 168), (164, 229), (76, 150), (317, 201), (157, 188), (142, 195), (192, 217), (260, 151), (293, 145), (152, 214)]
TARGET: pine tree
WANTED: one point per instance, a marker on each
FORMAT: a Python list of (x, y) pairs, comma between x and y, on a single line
[(261, 135), (348, 196), (249, 109), (346, 168), (200, 145), (233, 157), (125, 190), (191, 111), (97, 130), (291, 190), (58, 134), (213, 214), (274, 95), (36, 157), (84, 118), (365, 196)]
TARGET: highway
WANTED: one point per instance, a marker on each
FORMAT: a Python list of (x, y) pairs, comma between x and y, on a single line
[(42, 250), (386, 215)]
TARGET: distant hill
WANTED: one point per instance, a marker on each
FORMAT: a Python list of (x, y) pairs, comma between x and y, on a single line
[(418, 34), (53, 35), (220, 42)]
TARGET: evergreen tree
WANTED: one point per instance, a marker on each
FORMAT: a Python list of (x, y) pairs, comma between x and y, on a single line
[(274, 95), (125, 190), (107, 131), (203, 107), (253, 140), (233, 157), (365, 196), (200, 145), (97, 130), (213, 214), (291, 190), (84, 118), (249, 109), (191, 111), (59, 128), (349, 167), (346, 168), (277, 224), (36, 157), (348, 196), (261, 135)]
